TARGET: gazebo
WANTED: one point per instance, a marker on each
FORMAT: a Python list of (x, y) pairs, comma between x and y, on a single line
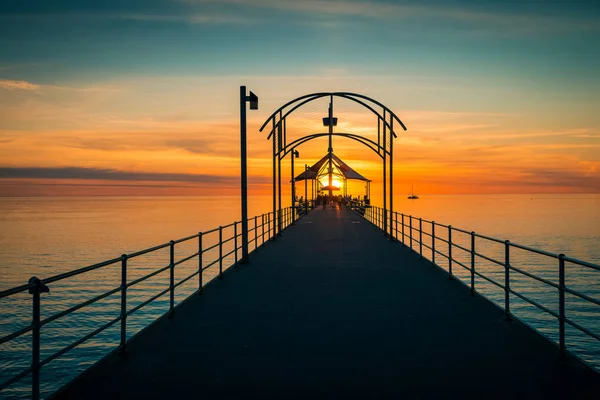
[(332, 166)]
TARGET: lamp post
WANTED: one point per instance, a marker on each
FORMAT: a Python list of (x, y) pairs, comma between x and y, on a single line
[(305, 189), (330, 122), (294, 155), (253, 100)]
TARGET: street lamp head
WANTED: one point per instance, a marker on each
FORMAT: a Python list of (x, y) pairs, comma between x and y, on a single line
[(296, 154), (253, 101), (326, 121)]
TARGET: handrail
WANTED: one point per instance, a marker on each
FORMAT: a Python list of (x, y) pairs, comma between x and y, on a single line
[(412, 236), (36, 287)]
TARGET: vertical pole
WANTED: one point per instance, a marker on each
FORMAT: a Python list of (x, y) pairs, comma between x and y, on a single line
[(281, 133), (330, 149), (262, 228), (561, 302), (410, 229), (200, 271), (123, 303), (421, 237), (305, 189), (293, 185), (273, 236), (391, 174), (403, 228), (449, 251), (384, 221), (255, 232), (472, 263), (279, 210), (220, 252), (507, 277), (244, 174), (171, 278), (35, 343), (235, 244), (433, 242)]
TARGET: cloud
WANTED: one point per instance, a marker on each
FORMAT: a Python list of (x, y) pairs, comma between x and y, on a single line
[(110, 174), (402, 12), (17, 85), (216, 19)]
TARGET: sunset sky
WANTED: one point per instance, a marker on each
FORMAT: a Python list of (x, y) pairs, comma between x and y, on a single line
[(140, 97)]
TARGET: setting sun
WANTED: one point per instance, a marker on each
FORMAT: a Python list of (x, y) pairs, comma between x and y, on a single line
[(335, 182)]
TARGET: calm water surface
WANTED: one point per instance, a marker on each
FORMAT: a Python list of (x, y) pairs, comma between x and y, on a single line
[(47, 236)]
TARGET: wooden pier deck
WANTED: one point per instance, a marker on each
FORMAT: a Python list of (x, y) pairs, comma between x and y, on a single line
[(334, 310)]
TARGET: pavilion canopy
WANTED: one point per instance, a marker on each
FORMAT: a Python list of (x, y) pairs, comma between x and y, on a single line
[(314, 171)]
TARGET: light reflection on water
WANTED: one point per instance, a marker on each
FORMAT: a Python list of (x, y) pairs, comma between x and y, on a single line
[(44, 237)]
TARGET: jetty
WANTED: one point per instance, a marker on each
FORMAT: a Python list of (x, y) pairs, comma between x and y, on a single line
[(333, 309)]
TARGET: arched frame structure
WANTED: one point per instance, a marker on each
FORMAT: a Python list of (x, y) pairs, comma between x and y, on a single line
[(384, 147)]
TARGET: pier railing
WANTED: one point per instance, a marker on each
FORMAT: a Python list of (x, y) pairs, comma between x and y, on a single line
[(211, 253), (433, 241)]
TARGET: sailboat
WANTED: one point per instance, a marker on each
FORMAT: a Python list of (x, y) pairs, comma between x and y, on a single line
[(412, 196)]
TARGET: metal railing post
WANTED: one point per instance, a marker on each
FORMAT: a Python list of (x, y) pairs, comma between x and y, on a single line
[(433, 242), (507, 277), (35, 336), (397, 226), (271, 226), (279, 222), (123, 304), (172, 277), (472, 263), (235, 244), (449, 251), (200, 252), (410, 229), (220, 252), (561, 302), (255, 232), (403, 224), (421, 237), (262, 227)]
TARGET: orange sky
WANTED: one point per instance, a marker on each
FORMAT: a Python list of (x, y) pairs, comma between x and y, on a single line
[(168, 152), (133, 101)]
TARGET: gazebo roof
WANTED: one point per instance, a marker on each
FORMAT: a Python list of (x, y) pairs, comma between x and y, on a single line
[(313, 171)]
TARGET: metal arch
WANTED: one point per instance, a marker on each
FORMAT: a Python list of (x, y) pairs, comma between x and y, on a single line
[(381, 117), (347, 95), (344, 94), (288, 113), (316, 95), (367, 142)]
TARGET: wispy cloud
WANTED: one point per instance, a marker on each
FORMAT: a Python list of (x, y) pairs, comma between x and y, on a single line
[(193, 18), (109, 174), (400, 12), (17, 85)]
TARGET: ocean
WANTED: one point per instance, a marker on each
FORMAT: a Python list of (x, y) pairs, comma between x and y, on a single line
[(46, 236)]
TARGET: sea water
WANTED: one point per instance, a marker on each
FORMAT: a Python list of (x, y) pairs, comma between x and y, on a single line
[(46, 236)]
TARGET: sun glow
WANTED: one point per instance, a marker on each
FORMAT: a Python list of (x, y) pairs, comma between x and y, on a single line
[(335, 182)]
